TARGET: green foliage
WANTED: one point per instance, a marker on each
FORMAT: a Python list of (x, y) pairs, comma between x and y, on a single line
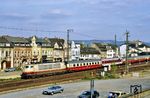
[(10, 79), (82, 45), (113, 68), (109, 76), (88, 76), (18, 68)]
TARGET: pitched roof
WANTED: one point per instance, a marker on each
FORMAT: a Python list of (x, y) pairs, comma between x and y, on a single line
[(16, 39), (112, 46), (102, 47), (4, 43), (133, 44), (3, 40), (41, 40), (89, 50), (59, 41)]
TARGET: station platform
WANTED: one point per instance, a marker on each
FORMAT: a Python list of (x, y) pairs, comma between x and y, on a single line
[(8, 75)]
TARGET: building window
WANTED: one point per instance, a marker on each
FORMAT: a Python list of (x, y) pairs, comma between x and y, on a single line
[(6, 53)]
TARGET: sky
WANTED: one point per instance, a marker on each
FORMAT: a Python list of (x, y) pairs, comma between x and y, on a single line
[(89, 19)]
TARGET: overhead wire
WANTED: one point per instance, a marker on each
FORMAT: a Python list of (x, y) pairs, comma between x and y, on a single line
[(23, 29), (48, 31)]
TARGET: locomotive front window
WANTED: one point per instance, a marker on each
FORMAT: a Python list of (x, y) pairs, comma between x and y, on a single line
[(26, 66)]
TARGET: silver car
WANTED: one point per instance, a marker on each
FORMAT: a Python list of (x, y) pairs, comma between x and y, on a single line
[(53, 90), (10, 69)]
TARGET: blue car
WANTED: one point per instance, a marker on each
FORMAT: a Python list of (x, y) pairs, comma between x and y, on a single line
[(87, 94), (53, 90)]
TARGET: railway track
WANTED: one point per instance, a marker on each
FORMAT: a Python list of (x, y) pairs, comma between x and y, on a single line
[(20, 84), (134, 67), (13, 85)]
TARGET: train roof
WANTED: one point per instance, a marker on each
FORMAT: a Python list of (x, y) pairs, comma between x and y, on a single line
[(82, 61), (44, 63), (107, 59), (144, 56)]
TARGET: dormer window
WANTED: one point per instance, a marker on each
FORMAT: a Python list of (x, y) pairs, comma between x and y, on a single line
[(7, 44), (56, 45)]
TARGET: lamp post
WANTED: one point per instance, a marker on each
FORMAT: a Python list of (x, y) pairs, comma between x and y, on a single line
[(92, 85)]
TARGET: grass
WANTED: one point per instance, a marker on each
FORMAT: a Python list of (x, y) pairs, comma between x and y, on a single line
[(10, 79), (110, 76)]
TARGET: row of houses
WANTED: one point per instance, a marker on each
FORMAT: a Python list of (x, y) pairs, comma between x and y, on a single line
[(18, 51), (135, 48), (106, 50)]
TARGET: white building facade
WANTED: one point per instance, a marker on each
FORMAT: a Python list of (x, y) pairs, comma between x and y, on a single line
[(110, 52), (74, 51)]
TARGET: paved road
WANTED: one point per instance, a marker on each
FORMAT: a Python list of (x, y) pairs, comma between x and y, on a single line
[(72, 90)]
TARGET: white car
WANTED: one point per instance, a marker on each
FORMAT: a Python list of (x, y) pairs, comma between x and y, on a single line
[(116, 94)]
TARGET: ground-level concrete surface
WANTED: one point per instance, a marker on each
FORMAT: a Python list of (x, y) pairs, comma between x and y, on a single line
[(72, 90)]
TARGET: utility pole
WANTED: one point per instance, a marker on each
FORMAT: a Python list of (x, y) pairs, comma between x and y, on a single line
[(68, 31), (115, 45), (127, 42), (115, 40)]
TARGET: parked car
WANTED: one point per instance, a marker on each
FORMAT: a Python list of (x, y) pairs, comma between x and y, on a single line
[(116, 94), (87, 94), (10, 69), (53, 90)]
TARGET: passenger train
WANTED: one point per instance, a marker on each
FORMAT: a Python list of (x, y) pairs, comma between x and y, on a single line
[(45, 69)]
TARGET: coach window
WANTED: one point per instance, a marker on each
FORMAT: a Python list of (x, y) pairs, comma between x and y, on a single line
[(81, 64), (74, 65), (95, 62), (92, 62), (77, 64), (31, 66)]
